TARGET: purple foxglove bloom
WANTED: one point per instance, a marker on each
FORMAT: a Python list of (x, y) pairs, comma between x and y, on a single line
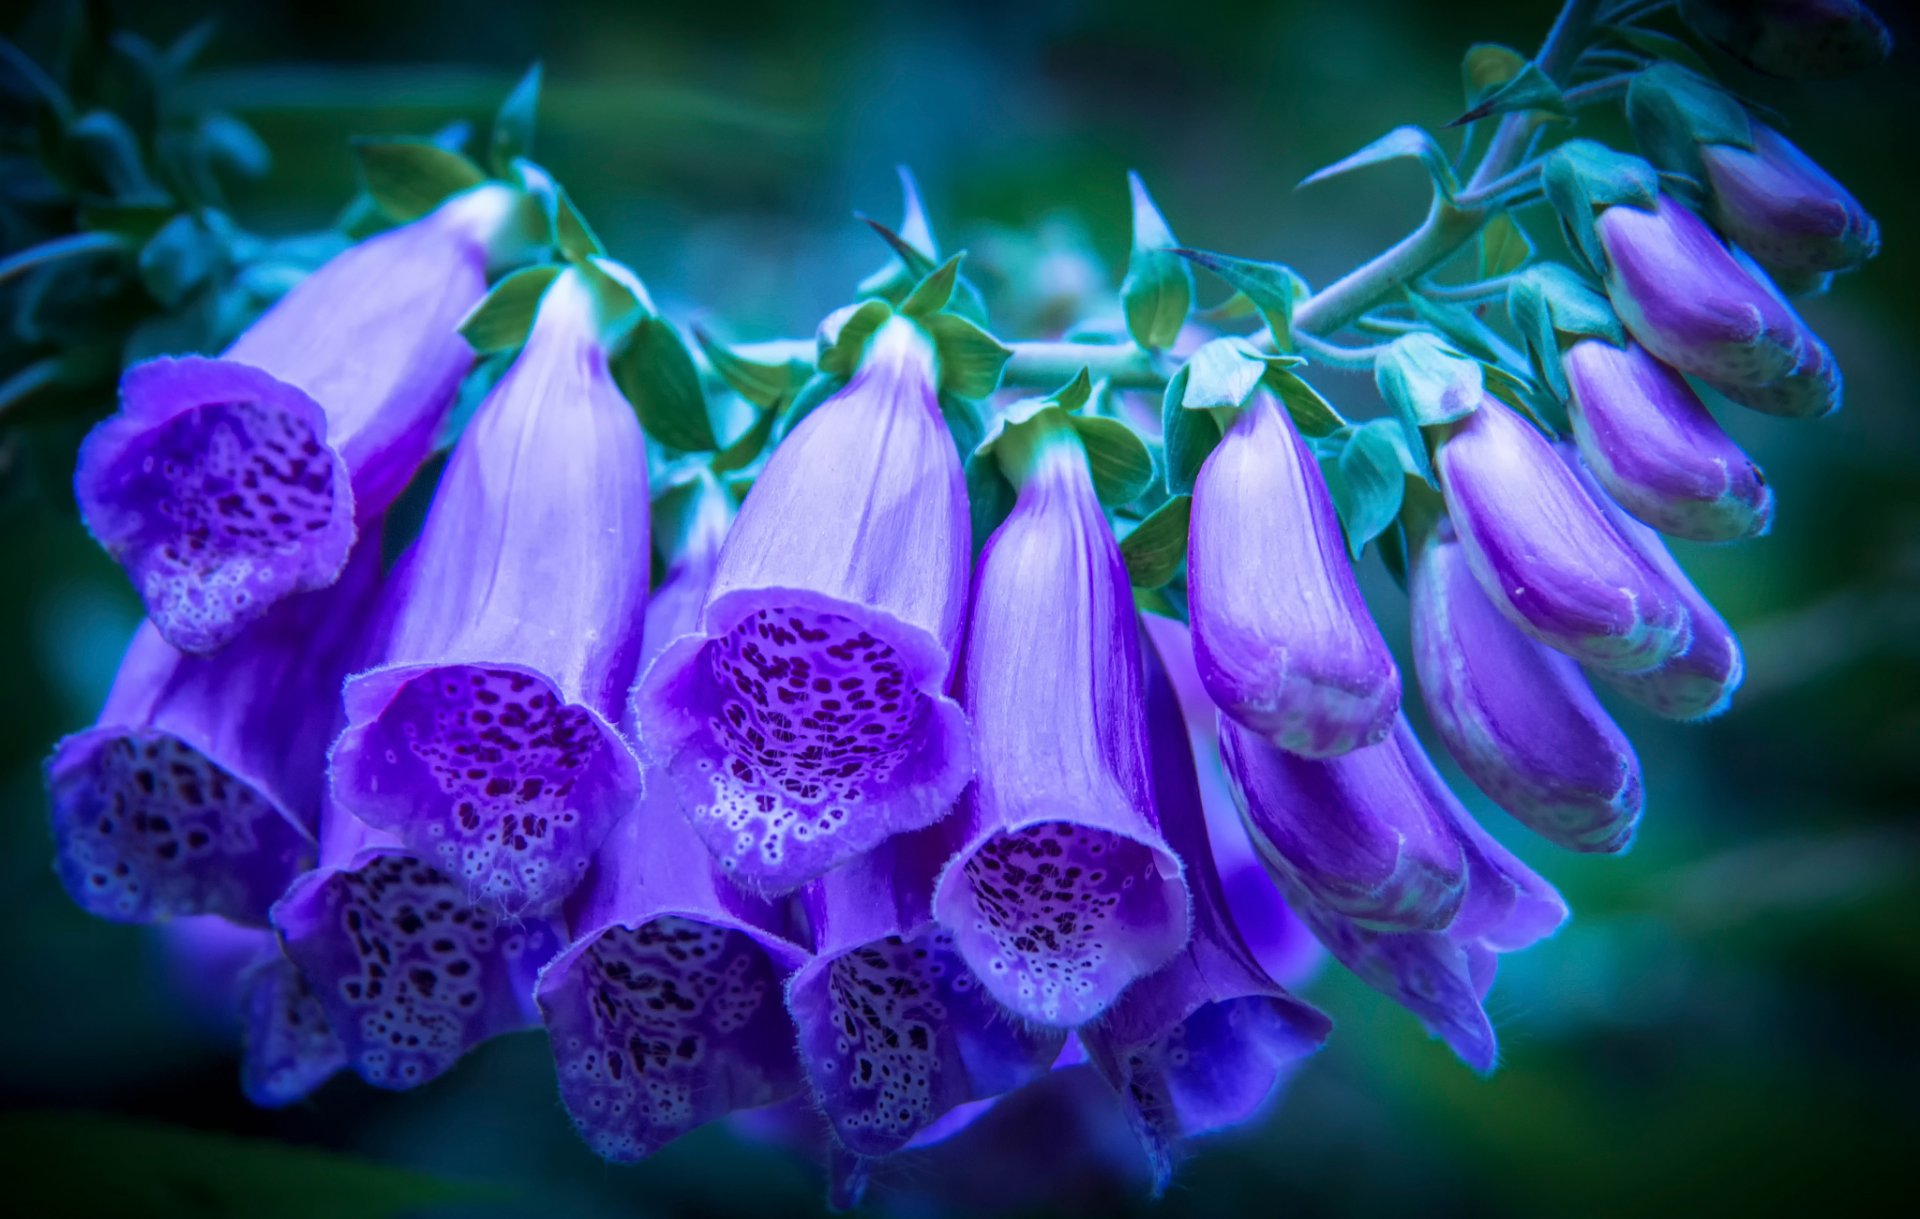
[(1517, 716), (409, 974), (1814, 387), (224, 485), (485, 739), (1358, 833), (1698, 683), (1063, 890), (1813, 39), (896, 1027), (1545, 553), (1284, 642), (198, 790), (1687, 301), (1198, 1045), (666, 1010), (1657, 450), (807, 720), (1782, 208)]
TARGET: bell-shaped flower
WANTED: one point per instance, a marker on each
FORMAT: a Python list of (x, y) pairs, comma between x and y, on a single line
[(225, 485), (1777, 204), (666, 1012), (806, 720), (1657, 449), (896, 1027), (1199, 1044), (198, 790), (409, 974), (1517, 716), (484, 738), (1815, 386), (1695, 684), (1063, 890), (1284, 642), (1358, 833), (1545, 554)]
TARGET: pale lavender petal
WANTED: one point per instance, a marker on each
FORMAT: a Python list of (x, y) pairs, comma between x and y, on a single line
[(1813, 388), (1775, 202)]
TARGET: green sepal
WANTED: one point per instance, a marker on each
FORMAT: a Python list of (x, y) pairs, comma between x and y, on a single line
[(1504, 247), (844, 335), (766, 385), (1460, 325), (1312, 414), (1120, 461), (409, 178), (1155, 550), (1225, 372), (513, 123), (1528, 89), (656, 372), (914, 266), (1485, 67), (1157, 294), (1676, 113), (1428, 384), (1168, 601), (1187, 436), (1269, 288), (990, 496), (965, 423), (1365, 469), (504, 317), (567, 230), (1553, 308), (1399, 144), (934, 291), (1523, 394), (1583, 178), (970, 359)]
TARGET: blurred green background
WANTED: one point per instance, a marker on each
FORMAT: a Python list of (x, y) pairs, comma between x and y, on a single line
[(1728, 1020)]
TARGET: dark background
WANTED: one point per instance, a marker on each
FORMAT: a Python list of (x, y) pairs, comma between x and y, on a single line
[(1728, 1021)]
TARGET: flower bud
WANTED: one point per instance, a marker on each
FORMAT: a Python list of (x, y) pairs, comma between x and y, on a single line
[(1785, 210), (1810, 39), (1814, 387), (1517, 716), (1657, 450), (1544, 552), (1284, 642)]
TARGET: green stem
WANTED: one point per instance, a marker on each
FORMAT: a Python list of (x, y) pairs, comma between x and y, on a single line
[(1049, 365)]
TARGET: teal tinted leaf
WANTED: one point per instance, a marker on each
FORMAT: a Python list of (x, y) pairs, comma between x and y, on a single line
[(1311, 413), (513, 124), (1553, 308), (75, 245), (989, 496), (1531, 89), (179, 258), (1504, 247), (748, 446), (919, 264), (1270, 288), (1075, 393), (567, 229), (1428, 384), (504, 318), (1584, 177), (1487, 66), (230, 144), (841, 349), (1399, 144), (656, 372), (1120, 461), (964, 423), (1187, 436), (1372, 469), (1157, 294), (409, 178), (1462, 327), (104, 141), (933, 292), (971, 360), (1156, 549), (761, 383), (1222, 372)]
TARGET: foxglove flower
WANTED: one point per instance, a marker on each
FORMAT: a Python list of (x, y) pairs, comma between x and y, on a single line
[(806, 720), (1356, 832), (1198, 1045), (485, 739), (896, 1028), (1517, 716), (1063, 890), (1656, 448), (1285, 644), (225, 485), (409, 975), (1814, 388), (1782, 208), (1700, 682), (1544, 552), (665, 1012), (1816, 39), (198, 790)]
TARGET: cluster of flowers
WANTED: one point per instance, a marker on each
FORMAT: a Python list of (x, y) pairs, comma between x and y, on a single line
[(859, 800)]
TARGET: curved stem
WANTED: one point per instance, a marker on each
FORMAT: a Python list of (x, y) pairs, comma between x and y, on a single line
[(1049, 365), (1468, 294), (1606, 89), (1334, 355)]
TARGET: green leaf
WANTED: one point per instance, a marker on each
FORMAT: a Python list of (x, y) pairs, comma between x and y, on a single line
[(567, 229), (105, 142), (1119, 460), (918, 263), (1188, 436), (181, 257), (1311, 413), (1504, 247), (1676, 114), (409, 178), (964, 423), (844, 335), (1156, 549), (1428, 384), (1485, 67), (504, 318), (1222, 372), (1270, 288), (1157, 294), (1553, 308), (513, 124), (1370, 482), (933, 292), (971, 360), (1583, 178), (1399, 144), (742, 452), (1462, 327), (1531, 89), (763, 384), (656, 372), (990, 496)]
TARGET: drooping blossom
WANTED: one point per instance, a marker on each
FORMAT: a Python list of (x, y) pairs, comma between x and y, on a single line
[(1284, 642), (1782, 208), (1545, 554), (484, 737), (198, 789), (807, 720), (1062, 891), (225, 485), (1198, 1045), (1517, 716)]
